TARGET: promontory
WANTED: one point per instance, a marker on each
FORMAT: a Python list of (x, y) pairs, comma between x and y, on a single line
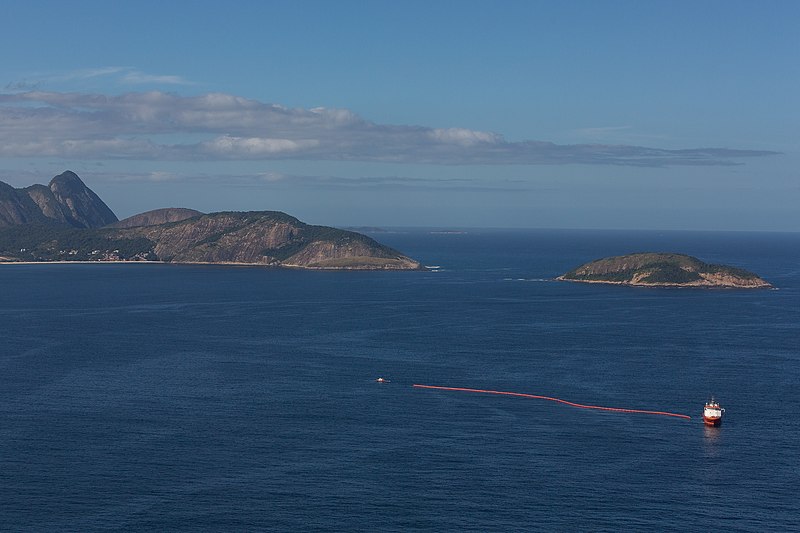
[(663, 270), (66, 221)]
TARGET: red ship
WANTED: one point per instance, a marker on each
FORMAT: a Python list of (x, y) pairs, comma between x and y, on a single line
[(712, 413)]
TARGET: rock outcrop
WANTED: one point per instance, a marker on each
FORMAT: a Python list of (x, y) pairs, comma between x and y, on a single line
[(66, 201)]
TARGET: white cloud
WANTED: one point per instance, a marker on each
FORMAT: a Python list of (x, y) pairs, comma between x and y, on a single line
[(464, 137), (164, 126), (227, 146), (339, 117)]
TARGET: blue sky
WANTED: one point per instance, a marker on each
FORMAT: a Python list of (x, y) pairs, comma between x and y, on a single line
[(663, 115)]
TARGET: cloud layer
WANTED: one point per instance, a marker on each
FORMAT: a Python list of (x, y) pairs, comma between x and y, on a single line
[(165, 126)]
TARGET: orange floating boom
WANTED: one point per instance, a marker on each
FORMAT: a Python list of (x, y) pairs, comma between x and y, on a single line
[(573, 404)]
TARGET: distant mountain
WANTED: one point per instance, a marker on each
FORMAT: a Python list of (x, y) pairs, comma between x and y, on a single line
[(156, 217), (66, 201), (663, 270), (65, 227)]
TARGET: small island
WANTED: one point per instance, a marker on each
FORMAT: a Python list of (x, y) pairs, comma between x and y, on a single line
[(663, 270)]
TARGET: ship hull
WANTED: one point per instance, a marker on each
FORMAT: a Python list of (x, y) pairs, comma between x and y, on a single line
[(712, 413)]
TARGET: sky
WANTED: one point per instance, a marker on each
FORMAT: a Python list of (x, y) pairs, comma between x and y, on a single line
[(674, 115)]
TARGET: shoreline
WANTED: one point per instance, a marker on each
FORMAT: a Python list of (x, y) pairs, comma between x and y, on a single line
[(82, 262), (667, 285), (206, 263)]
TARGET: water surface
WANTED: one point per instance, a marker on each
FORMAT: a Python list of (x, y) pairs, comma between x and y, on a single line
[(190, 398)]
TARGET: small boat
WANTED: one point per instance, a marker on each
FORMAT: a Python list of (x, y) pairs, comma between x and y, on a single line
[(712, 413), (382, 380)]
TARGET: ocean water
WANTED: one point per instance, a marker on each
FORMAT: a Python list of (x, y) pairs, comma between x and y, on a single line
[(193, 398)]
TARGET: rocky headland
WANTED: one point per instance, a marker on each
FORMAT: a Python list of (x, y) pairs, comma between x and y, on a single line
[(66, 221)]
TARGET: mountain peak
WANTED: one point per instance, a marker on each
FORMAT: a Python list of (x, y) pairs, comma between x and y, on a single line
[(66, 200), (65, 182), (67, 175)]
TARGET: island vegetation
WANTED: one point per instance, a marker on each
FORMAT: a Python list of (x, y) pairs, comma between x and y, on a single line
[(70, 223), (663, 270)]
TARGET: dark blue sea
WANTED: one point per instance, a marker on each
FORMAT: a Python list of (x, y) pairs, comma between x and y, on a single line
[(209, 398)]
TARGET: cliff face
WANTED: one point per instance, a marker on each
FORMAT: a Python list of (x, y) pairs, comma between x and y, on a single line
[(16, 207), (663, 270), (66, 201), (82, 208)]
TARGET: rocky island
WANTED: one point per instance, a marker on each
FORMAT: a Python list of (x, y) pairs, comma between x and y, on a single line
[(663, 270), (66, 221)]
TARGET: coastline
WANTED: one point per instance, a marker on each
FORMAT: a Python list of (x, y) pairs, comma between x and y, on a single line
[(208, 263), (692, 285), (82, 262)]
